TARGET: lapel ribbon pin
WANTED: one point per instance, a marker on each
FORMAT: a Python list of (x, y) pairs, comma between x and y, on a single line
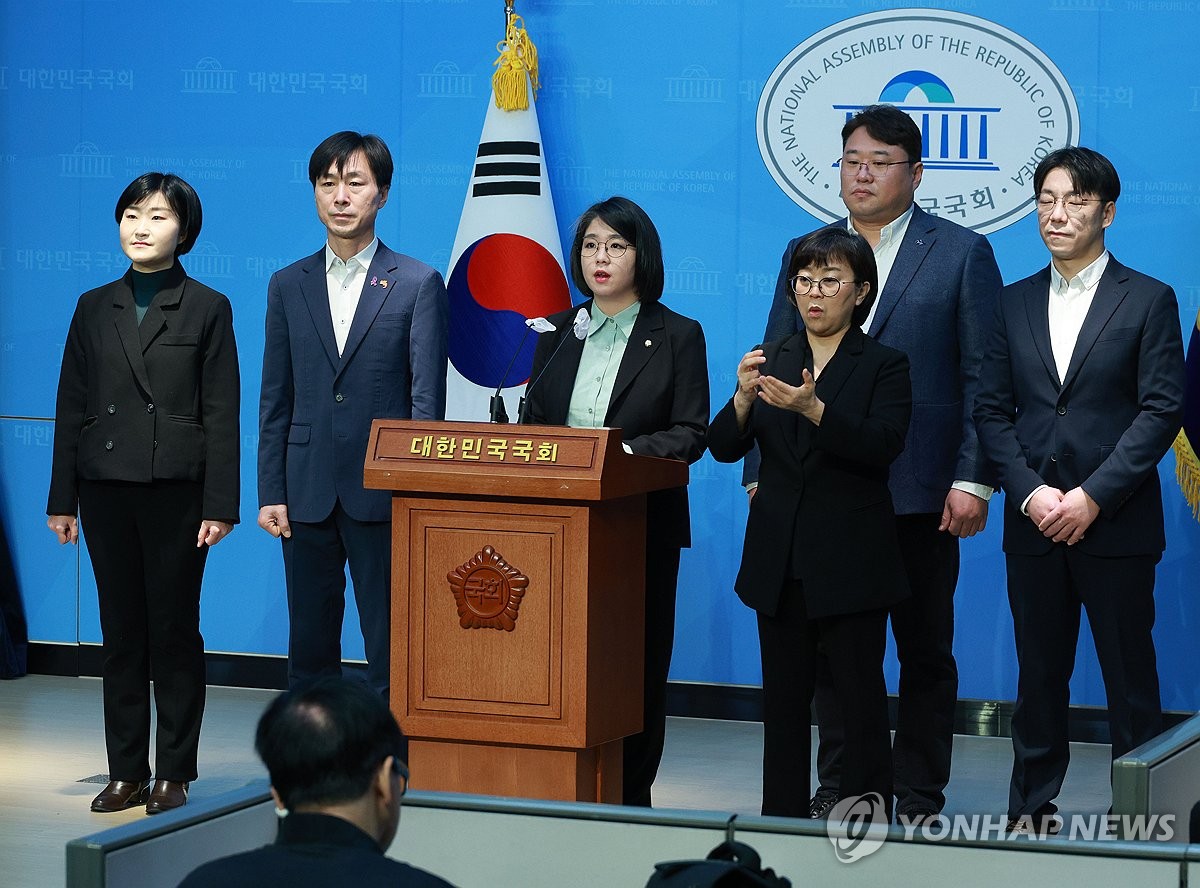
[(647, 343), (374, 281)]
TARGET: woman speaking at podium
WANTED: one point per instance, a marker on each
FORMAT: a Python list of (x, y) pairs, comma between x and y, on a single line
[(828, 408), (146, 450), (623, 359)]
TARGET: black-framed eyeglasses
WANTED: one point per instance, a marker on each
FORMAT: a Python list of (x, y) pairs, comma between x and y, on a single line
[(877, 168), (1072, 204), (828, 287), (613, 247), (401, 771)]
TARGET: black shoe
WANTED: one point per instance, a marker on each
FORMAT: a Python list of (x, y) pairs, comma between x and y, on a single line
[(1036, 826), (918, 817), (167, 795), (822, 803), (121, 794)]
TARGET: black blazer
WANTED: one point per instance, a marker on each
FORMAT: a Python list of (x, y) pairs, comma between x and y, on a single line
[(313, 851), (151, 404), (823, 511), (659, 400), (935, 307), (1105, 428)]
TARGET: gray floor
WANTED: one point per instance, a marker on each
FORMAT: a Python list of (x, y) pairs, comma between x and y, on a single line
[(52, 743)]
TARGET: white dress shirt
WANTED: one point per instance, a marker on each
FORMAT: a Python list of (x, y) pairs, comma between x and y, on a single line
[(1068, 306), (890, 238), (1069, 301), (344, 281)]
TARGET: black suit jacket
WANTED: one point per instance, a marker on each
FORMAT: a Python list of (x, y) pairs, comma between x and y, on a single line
[(936, 307), (154, 403), (823, 511), (659, 400), (1107, 425), (315, 850)]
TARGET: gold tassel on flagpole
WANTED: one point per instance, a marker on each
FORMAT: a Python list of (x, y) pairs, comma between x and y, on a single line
[(1187, 472), (518, 59)]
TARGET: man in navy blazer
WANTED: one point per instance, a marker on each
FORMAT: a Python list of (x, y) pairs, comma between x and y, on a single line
[(353, 332), (938, 288), (1080, 397)]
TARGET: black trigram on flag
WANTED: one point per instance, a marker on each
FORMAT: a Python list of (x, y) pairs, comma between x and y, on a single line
[(507, 168)]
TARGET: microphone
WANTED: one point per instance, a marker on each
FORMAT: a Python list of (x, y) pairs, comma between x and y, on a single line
[(580, 327), (496, 410)]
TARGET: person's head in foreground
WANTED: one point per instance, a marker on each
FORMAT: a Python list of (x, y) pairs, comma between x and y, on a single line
[(333, 747)]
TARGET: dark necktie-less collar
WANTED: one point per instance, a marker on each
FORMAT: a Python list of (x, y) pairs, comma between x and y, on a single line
[(147, 285)]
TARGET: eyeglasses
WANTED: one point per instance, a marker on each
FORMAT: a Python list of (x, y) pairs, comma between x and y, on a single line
[(877, 168), (828, 287), (1073, 204), (400, 771), (614, 248)]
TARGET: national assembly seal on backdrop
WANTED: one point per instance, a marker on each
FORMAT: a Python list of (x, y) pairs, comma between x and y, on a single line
[(989, 104)]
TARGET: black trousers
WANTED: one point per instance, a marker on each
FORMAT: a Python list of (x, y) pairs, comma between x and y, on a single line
[(142, 542), (1045, 593), (642, 753), (314, 561), (853, 645), (923, 626)]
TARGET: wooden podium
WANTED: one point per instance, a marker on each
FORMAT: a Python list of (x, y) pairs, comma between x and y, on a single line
[(518, 566)]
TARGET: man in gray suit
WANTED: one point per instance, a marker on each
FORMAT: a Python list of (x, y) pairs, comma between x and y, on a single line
[(938, 289), (353, 332)]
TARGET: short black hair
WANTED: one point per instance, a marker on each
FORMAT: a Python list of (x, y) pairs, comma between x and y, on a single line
[(338, 148), (181, 197), (631, 222), (323, 742), (1090, 171), (835, 243), (887, 124)]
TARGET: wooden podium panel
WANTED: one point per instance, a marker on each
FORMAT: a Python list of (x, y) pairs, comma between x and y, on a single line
[(492, 672), (535, 772), (517, 602)]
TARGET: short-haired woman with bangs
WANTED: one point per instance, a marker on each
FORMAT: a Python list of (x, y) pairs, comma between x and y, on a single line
[(146, 452), (643, 368), (829, 409)]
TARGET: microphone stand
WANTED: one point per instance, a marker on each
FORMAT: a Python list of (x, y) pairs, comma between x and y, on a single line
[(497, 413), (522, 406)]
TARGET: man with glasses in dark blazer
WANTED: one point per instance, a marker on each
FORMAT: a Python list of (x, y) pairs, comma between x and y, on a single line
[(1081, 395)]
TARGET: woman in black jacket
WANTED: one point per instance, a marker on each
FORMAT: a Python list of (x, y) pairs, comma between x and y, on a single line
[(146, 451), (829, 409), (629, 361)]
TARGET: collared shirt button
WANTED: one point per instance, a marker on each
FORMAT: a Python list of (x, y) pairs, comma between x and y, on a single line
[(112, 408)]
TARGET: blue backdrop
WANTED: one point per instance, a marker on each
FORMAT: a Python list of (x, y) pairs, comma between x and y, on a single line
[(655, 99)]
